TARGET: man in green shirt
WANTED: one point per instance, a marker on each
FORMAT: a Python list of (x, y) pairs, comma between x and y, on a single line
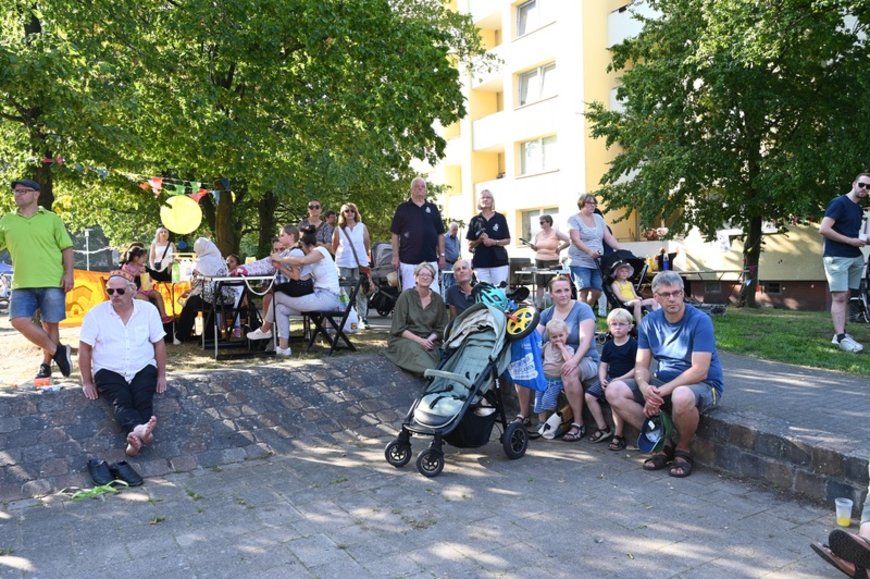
[(42, 258)]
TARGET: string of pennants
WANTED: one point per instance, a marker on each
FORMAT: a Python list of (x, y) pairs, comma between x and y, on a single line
[(155, 184)]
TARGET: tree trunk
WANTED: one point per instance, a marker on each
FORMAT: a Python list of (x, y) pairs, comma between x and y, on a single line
[(224, 230), (266, 210), (751, 256)]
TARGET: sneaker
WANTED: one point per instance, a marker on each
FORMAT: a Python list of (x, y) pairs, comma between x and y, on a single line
[(63, 360), (44, 371), (848, 344), (279, 351), (259, 334), (361, 325)]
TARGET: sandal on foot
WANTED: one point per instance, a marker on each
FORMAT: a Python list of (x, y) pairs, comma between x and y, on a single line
[(682, 465), (850, 547), (843, 566), (576, 432), (659, 460), (617, 444), (601, 434), (526, 421)]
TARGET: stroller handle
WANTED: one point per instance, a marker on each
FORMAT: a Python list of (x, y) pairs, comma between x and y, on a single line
[(433, 373)]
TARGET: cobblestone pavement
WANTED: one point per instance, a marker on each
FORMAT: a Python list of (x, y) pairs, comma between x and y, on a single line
[(327, 509)]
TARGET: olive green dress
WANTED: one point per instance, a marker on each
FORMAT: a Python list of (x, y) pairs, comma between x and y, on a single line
[(411, 315)]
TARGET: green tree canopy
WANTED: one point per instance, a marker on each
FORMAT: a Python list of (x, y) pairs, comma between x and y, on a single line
[(738, 112), (286, 99)]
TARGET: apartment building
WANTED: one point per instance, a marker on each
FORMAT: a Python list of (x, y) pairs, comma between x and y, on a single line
[(525, 138)]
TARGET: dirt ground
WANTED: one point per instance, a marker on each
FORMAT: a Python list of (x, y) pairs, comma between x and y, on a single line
[(19, 359)]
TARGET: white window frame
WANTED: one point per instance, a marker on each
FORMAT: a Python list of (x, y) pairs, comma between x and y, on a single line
[(532, 163), (531, 16), (530, 220), (536, 84)]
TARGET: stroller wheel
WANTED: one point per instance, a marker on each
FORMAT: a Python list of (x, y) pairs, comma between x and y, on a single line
[(515, 440), (384, 312), (522, 322), (430, 462), (398, 453)]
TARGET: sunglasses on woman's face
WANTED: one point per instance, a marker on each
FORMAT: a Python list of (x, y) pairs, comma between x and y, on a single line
[(314, 206), (111, 291)]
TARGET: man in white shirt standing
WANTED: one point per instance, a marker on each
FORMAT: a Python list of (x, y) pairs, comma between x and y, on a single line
[(122, 356)]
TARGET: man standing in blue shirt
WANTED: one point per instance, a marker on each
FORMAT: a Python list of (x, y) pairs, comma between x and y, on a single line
[(688, 381), (417, 235), (842, 255), (452, 250)]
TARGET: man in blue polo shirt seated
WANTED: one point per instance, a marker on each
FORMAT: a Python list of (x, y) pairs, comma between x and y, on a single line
[(688, 381), (417, 235)]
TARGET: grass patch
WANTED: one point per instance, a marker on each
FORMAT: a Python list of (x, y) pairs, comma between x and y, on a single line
[(801, 338)]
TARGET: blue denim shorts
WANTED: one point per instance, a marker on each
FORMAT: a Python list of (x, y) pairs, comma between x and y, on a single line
[(50, 301), (587, 277)]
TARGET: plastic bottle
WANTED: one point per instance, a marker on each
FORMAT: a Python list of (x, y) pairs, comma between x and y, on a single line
[(198, 323), (176, 272), (666, 261)]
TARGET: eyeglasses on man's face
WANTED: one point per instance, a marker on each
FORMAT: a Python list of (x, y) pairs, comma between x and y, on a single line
[(313, 206), (863, 185), (112, 291), (669, 295)]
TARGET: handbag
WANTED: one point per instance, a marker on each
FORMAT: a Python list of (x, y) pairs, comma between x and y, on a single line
[(159, 273), (296, 288), (365, 272), (526, 366)]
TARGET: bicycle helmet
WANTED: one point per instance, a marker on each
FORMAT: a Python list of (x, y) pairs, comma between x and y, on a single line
[(488, 294)]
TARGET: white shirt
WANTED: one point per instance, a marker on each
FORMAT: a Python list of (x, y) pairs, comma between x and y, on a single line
[(325, 273), (344, 254), (124, 349)]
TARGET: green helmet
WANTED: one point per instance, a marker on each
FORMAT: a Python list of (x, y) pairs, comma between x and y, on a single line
[(488, 294)]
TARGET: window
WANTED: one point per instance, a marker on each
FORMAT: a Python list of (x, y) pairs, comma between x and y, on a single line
[(537, 84), (772, 287), (531, 15), (531, 223), (538, 155)]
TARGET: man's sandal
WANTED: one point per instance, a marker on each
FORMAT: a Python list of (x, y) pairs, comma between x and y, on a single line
[(617, 444), (659, 460), (576, 432), (682, 465)]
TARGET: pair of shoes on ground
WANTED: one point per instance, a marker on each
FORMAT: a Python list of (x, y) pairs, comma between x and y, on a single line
[(103, 473), (259, 334), (279, 351), (63, 358), (847, 344)]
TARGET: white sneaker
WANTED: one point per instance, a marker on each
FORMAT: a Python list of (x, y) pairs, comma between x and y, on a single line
[(279, 351), (259, 334), (361, 325), (848, 344)]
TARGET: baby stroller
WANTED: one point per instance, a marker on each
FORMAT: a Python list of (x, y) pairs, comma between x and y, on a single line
[(463, 400), (384, 294), (606, 263)]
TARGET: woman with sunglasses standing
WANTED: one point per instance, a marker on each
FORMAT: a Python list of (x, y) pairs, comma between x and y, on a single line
[(322, 230), (547, 245), (351, 246)]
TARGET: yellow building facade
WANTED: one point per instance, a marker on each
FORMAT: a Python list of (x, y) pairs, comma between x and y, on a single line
[(525, 138)]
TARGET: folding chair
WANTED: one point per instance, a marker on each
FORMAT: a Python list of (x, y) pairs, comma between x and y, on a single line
[(321, 320)]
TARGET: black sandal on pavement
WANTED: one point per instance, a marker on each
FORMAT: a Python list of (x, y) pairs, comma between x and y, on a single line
[(682, 465), (617, 444), (601, 434), (659, 460)]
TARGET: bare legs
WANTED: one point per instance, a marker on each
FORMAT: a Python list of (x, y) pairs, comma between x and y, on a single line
[(839, 305), (46, 336)]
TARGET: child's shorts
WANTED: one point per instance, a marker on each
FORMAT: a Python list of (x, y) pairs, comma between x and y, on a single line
[(549, 398)]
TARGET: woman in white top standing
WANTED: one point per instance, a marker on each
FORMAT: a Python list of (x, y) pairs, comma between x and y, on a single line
[(326, 288), (351, 245), (162, 251)]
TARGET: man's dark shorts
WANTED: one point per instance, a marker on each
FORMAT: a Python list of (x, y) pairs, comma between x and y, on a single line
[(706, 397)]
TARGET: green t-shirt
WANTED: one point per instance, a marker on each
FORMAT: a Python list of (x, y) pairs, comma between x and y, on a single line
[(35, 244)]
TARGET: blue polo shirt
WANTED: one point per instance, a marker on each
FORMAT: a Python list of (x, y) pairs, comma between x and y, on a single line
[(418, 228)]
